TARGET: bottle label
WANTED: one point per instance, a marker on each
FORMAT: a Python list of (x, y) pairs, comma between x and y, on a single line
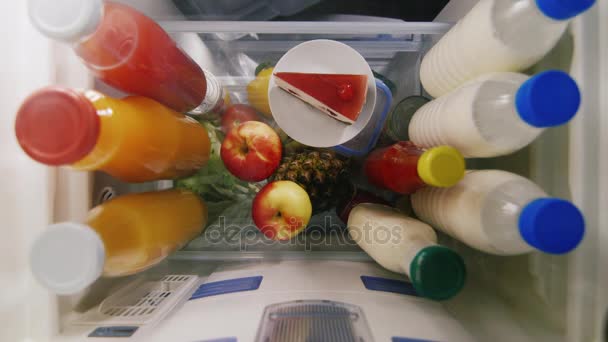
[(214, 98)]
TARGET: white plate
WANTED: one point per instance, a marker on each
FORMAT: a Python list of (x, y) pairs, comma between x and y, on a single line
[(304, 123)]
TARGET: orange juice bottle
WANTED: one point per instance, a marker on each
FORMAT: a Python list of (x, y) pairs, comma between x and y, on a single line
[(135, 139), (123, 236)]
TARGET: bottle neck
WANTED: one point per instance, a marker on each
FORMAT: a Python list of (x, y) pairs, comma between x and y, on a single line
[(109, 137), (214, 97), (411, 250)]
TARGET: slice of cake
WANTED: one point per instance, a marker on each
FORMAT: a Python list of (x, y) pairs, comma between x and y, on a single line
[(340, 96)]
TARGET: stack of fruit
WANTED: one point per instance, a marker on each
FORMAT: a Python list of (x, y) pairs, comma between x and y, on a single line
[(288, 182), (252, 151)]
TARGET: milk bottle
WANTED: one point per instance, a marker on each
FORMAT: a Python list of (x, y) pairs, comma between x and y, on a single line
[(501, 213), (497, 35), (405, 245), (497, 113)]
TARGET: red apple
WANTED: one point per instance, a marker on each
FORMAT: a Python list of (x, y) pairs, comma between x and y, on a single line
[(281, 210), (252, 151), (236, 115)]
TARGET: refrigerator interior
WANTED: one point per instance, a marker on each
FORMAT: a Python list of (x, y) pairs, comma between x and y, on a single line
[(535, 297)]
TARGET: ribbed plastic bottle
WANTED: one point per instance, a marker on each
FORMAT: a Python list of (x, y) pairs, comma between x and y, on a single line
[(497, 35), (501, 213), (497, 113)]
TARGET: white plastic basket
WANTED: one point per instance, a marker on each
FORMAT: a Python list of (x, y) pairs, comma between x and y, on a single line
[(141, 302)]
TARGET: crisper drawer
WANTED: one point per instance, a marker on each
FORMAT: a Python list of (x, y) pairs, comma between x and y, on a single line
[(232, 52)]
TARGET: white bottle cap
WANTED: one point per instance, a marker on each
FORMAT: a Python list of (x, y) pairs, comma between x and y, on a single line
[(67, 257), (66, 20)]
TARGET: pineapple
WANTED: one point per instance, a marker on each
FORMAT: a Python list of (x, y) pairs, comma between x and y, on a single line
[(322, 173)]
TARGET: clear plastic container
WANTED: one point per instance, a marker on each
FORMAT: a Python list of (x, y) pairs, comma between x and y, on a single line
[(365, 141), (385, 45), (496, 35), (501, 213), (496, 114)]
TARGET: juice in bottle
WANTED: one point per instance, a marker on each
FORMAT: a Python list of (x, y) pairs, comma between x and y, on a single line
[(405, 168), (135, 139), (123, 236), (127, 50)]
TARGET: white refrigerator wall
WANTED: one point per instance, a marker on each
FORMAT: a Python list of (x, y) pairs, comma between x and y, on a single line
[(32, 196), (587, 295)]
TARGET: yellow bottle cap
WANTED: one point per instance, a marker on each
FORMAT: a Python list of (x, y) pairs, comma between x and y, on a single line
[(441, 166)]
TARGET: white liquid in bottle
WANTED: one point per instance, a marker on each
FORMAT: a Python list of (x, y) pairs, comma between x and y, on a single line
[(501, 213), (496, 114), (405, 245), (497, 35)]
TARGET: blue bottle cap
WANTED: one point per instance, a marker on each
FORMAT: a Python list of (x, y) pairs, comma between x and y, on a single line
[(552, 225), (548, 99), (563, 9)]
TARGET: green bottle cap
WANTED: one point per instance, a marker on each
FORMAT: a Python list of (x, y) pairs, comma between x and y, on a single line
[(437, 273)]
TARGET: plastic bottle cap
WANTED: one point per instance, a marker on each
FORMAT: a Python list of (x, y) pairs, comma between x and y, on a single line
[(548, 99), (441, 166), (67, 257), (563, 9), (552, 225), (57, 126), (438, 273), (66, 20)]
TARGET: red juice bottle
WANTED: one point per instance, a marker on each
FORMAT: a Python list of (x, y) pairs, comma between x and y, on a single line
[(405, 168), (127, 50)]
